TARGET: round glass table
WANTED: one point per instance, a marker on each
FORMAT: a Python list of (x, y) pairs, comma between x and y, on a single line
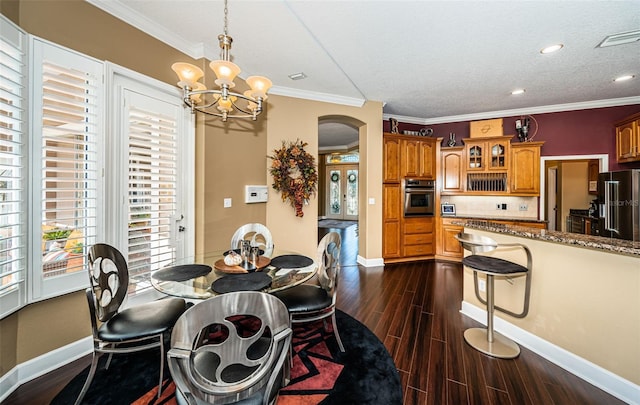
[(200, 276)]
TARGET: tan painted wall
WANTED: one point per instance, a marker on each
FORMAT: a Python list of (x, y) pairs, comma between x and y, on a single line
[(575, 192), (582, 300), (300, 233)]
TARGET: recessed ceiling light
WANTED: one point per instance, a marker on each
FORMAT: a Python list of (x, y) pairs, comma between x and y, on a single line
[(623, 78), (551, 48), (517, 91), (297, 76)]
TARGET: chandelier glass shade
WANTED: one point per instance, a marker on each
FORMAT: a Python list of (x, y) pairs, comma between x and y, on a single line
[(222, 102)]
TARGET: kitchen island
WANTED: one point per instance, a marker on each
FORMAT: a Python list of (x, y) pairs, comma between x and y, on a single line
[(585, 302)]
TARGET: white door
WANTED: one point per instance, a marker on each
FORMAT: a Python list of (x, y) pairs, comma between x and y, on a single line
[(342, 192)]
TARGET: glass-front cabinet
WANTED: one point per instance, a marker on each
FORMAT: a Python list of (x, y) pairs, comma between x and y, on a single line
[(487, 153)]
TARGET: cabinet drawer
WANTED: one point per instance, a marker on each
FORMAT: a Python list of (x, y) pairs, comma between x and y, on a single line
[(418, 239), (418, 225), (418, 250)]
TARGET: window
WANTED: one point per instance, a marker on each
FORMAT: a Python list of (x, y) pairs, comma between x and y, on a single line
[(13, 132), (67, 136), (129, 186)]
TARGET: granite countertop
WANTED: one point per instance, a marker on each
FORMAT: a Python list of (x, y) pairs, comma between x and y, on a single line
[(618, 246)]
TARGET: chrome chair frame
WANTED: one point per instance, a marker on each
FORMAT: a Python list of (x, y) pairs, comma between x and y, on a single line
[(328, 259), (109, 279), (257, 230), (186, 346)]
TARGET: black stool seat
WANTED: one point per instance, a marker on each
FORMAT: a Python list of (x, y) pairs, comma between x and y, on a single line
[(493, 265)]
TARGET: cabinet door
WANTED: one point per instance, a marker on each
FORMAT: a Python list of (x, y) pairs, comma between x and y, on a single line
[(391, 161), (392, 213), (410, 158), (525, 172), (427, 159), (498, 155), (475, 157), (452, 170), (627, 141), (450, 245)]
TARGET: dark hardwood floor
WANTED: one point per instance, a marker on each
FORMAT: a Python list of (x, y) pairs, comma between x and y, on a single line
[(414, 309)]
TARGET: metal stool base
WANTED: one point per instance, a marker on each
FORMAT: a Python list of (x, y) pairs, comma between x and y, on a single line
[(501, 346)]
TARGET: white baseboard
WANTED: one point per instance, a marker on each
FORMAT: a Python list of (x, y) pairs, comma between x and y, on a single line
[(370, 262), (592, 373), (43, 364)]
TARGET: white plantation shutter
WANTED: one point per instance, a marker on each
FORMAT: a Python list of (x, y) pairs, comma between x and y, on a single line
[(13, 133), (67, 89), (153, 126)]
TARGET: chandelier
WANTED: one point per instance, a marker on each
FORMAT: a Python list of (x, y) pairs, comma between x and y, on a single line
[(221, 102)]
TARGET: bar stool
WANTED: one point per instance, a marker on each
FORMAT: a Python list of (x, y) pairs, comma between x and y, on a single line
[(486, 340)]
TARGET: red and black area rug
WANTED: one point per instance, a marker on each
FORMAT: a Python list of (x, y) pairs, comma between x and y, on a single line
[(321, 374)]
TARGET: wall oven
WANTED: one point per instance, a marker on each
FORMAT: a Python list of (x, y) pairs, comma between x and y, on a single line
[(419, 197)]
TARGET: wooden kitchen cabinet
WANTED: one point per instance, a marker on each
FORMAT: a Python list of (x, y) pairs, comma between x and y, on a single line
[(392, 216), (452, 160), (628, 139), (448, 247), (391, 160), (417, 236), (525, 168), (417, 158)]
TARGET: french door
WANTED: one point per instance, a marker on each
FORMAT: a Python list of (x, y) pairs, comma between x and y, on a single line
[(342, 192)]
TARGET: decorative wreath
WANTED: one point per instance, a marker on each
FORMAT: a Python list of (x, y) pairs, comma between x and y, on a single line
[(335, 177), (294, 174), (352, 178)]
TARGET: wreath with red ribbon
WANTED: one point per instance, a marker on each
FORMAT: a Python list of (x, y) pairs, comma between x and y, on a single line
[(294, 174)]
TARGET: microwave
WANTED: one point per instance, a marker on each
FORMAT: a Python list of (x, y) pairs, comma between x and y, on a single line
[(419, 197)]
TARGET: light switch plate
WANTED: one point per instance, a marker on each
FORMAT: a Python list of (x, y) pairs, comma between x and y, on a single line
[(227, 203)]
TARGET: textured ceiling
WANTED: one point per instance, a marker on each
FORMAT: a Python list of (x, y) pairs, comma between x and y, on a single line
[(428, 61)]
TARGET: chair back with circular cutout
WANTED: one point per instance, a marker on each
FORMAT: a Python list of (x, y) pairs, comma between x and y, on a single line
[(109, 279), (258, 234), (231, 347)]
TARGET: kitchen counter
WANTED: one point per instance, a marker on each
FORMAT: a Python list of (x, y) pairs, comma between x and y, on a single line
[(585, 295), (617, 246)]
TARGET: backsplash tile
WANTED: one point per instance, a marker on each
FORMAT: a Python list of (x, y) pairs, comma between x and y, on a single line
[(485, 206)]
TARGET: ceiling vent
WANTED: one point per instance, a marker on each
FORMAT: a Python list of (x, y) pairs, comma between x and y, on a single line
[(619, 39)]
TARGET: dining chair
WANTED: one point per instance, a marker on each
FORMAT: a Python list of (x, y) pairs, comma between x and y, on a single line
[(231, 348), (309, 302), (117, 330), (258, 234)]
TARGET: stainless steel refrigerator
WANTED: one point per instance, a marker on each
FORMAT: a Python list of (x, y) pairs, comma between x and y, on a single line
[(619, 204)]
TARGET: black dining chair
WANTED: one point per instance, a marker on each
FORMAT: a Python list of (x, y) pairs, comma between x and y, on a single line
[(231, 348), (117, 330), (310, 302)]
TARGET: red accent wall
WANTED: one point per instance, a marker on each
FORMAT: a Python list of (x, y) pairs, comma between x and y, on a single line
[(581, 132)]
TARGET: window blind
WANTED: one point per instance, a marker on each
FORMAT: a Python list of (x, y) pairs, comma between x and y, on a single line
[(66, 154), (152, 193), (13, 117)]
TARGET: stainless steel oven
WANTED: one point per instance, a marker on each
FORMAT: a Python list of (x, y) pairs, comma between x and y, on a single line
[(419, 197)]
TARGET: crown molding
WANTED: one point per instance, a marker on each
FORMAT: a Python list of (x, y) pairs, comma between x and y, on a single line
[(317, 96), (123, 12), (586, 105)]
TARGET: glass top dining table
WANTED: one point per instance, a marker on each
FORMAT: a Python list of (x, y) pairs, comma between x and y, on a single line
[(194, 277)]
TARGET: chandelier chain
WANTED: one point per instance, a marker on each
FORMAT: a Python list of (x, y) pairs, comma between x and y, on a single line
[(226, 19)]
